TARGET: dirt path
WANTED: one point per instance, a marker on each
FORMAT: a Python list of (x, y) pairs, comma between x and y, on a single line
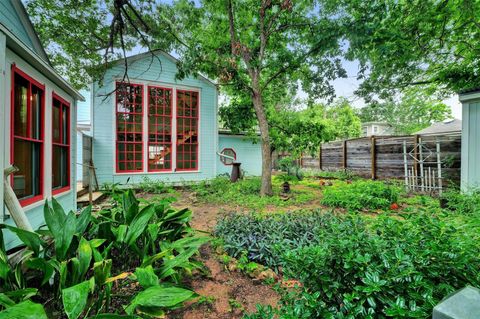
[(225, 295)]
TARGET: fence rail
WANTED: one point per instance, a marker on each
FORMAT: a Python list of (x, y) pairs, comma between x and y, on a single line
[(382, 157)]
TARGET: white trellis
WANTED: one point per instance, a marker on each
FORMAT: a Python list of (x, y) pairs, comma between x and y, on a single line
[(428, 177)]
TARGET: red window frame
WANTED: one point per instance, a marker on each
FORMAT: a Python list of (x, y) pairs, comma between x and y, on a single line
[(193, 123), (162, 123), (222, 159), (118, 92), (66, 104), (13, 137)]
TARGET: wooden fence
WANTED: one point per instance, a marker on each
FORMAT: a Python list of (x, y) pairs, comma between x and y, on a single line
[(382, 157)]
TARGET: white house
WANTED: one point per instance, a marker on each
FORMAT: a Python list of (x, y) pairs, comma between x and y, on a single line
[(376, 128)]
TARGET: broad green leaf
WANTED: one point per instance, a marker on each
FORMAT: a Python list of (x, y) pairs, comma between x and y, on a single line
[(130, 206), (84, 256), (120, 233), (180, 260), (54, 218), (68, 231), (42, 265), (22, 293), (160, 297), (95, 243), (151, 259), (113, 316), (5, 301), (137, 227), (102, 270), (75, 298), (24, 310), (146, 277), (83, 219), (30, 239)]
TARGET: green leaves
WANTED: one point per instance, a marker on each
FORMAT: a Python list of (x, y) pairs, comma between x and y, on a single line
[(61, 226), (75, 298), (24, 310), (30, 239), (138, 224), (158, 298), (146, 277)]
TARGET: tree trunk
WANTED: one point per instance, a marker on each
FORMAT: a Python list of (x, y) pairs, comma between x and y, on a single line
[(266, 189)]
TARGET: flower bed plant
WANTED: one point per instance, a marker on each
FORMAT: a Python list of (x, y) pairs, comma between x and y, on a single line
[(382, 267), (361, 194), (76, 266)]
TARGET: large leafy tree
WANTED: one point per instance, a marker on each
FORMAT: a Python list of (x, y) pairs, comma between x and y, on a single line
[(412, 111), (259, 49), (421, 42)]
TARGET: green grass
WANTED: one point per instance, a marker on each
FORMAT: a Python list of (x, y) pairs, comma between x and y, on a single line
[(246, 193)]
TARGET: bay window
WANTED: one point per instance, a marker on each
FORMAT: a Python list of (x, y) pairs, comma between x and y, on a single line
[(27, 137), (129, 134), (187, 130), (60, 144), (159, 129)]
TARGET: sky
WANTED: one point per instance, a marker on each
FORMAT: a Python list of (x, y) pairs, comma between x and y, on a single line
[(345, 87)]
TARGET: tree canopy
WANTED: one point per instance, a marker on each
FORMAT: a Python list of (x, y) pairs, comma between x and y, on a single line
[(421, 43), (412, 112)]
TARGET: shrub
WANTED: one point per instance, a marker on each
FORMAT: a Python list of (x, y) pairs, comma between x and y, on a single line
[(71, 264), (363, 267), (361, 194), (263, 238), (341, 174), (462, 203)]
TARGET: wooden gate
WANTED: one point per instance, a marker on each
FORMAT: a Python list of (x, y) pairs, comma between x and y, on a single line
[(425, 174)]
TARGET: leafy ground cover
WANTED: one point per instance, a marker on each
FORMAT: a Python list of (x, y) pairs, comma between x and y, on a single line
[(391, 264), (245, 193)]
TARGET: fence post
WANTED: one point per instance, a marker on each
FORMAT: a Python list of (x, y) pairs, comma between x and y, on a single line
[(320, 157), (373, 153), (344, 154), (415, 154)]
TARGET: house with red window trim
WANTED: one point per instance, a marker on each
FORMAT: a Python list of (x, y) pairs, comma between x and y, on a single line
[(37, 114), (158, 127)]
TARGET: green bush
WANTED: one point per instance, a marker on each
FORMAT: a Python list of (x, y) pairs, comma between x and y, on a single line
[(341, 174), (69, 265), (263, 238), (462, 203), (365, 267), (361, 194)]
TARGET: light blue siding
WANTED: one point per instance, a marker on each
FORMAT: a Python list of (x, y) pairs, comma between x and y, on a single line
[(11, 20), (248, 153), (83, 111), (156, 71), (471, 145)]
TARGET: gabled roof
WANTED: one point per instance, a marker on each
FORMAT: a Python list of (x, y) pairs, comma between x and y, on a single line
[(449, 126), (22, 39), (166, 55), (14, 17)]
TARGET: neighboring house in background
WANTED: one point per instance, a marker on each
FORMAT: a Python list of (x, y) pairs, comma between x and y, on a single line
[(470, 178), (84, 127), (448, 126), (376, 128), (37, 121), (159, 127)]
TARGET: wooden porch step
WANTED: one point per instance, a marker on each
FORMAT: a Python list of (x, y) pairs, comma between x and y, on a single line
[(80, 190), (84, 200)]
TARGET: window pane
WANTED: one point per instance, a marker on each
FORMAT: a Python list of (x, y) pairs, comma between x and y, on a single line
[(26, 182), (159, 129), (187, 130), (56, 121), (129, 100), (36, 105), (65, 124), (20, 106), (60, 167)]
